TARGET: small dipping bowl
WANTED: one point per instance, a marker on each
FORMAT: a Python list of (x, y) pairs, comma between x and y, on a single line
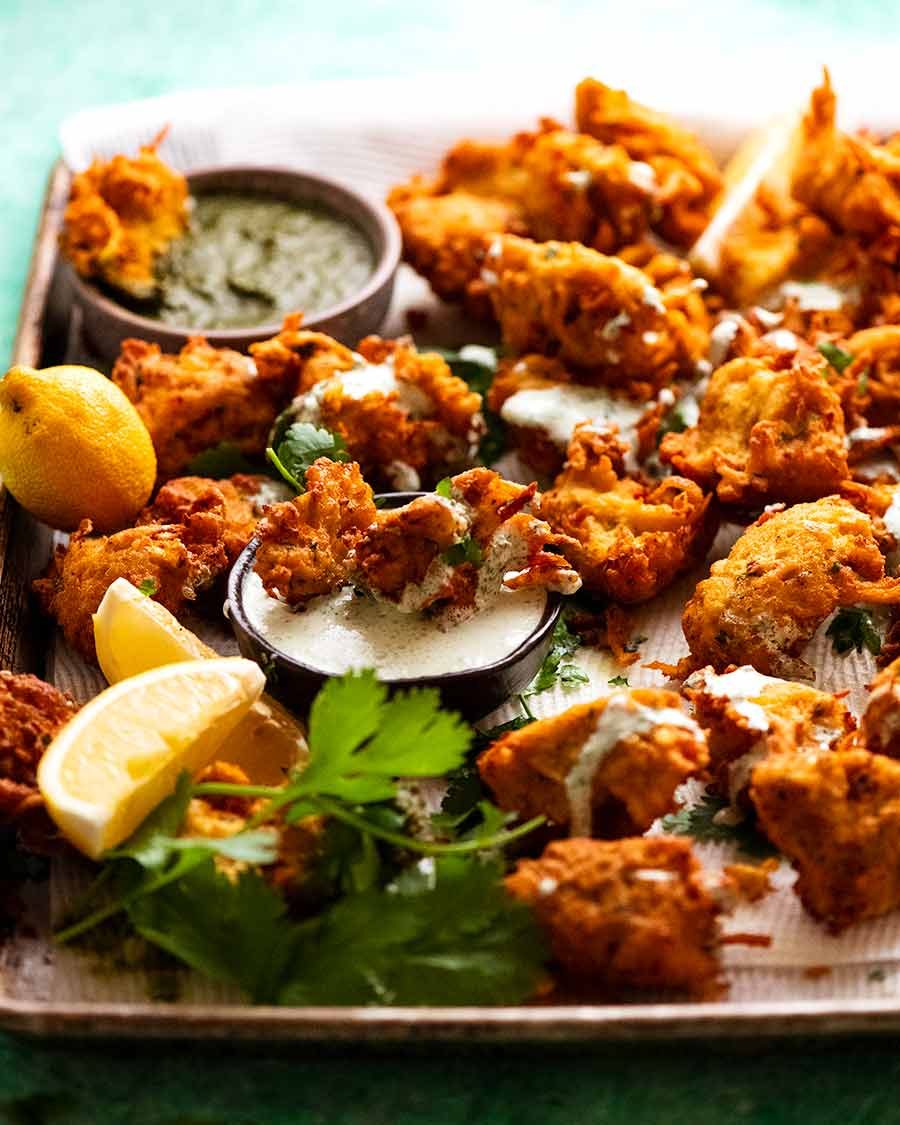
[(474, 693), (106, 323)]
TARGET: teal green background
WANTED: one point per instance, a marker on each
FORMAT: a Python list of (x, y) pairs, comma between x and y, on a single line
[(60, 56)]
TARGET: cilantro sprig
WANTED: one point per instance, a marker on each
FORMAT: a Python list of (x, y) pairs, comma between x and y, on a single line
[(415, 944), (298, 445), (700, 822), (219, 461), (853, 628), (557, 667)]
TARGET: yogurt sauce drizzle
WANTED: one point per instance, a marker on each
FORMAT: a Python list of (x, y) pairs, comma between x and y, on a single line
[(621, 718), (739, 687)]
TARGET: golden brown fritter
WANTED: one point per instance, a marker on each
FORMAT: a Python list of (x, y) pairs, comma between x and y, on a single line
[(850, 181), (836, 816), (31, 713), (122, 214), (633, 538), (177, 561), (597, 314), (873, 378), (305, 543), (197, 399), (240, 499), (453, 554), (541, 404), (444, 238), (783, 577), (551, 183), (402, 414), (765, 432), (625, 916), (607, 768), (687, 179), (879, 725), (747, 717)]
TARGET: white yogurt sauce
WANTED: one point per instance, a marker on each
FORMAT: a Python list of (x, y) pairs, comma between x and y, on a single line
[(739, 687), (819, 295), (621, 718), (363, 379), (892, 516), (558, 410), (721, 338), (342, 631)]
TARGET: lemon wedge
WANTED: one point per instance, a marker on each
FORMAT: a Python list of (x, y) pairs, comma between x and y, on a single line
[(133, 634), (767, 157), (122, 753)]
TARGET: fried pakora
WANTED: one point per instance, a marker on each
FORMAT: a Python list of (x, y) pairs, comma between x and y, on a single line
[(452, 554), (306, 543), (402, 414), (551, 183), (121, 216), (873, 376), (879, 724), (768, 430), (747, 717), (850, 181), (683, 171), (625, 916), (241, 498), (31, 714), (173, 561), (607, 768), (836, 816), (200, 398), (783, 577), (632, 537), (597, 314), (542, 405)]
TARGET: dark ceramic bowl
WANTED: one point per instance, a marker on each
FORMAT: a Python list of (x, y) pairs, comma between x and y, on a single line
[(474, 693), (106, 323)]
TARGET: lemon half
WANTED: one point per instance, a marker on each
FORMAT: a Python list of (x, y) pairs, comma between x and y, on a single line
[(122, 753), (133, 633)]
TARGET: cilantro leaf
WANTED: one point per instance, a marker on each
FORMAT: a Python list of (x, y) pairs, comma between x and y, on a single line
[(299, 446), (699, 821), (219, 461), (146, 844), (853, 628), (466, 551), (557, 669), (445, 933), (148, 587), (618, 681), (444, 488), (674, 422), (231, 930), (839, 359), (476, 365), (360, 741)]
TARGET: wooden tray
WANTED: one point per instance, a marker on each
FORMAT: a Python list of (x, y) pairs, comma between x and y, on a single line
[(44, 337)]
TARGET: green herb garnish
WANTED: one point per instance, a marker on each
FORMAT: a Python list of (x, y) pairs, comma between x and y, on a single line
[(853, 628), (837, 357), (557, 668), (148, 587), (444, 488), (444, 930), (673, 422), (220, 461), (862, 383), (476, 365), (618, 681), (465, 551), (299, 446), (699, 821)]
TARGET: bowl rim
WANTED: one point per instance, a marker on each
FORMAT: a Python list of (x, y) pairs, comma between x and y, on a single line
[(385, 265), (237, 616)]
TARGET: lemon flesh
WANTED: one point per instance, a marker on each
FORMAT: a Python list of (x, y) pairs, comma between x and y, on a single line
[(133, 634), (122, 753), (73, 447)]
